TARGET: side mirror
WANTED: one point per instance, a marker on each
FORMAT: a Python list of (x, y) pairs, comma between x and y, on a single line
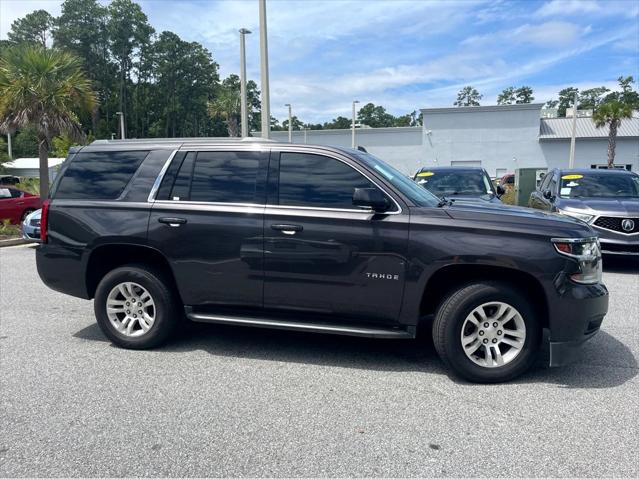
[(548, 195), (371, 198), (500, 190)]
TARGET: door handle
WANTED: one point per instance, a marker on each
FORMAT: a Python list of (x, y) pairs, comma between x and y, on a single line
[(287, 229), (173, 222)]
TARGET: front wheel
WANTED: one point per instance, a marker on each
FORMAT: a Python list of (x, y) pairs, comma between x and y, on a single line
[(135, 307), (487, 332)]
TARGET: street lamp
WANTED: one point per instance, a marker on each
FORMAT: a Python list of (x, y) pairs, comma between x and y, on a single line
[(243, 105), (290, 124), (266, 105), (353, 125), (121, 115)]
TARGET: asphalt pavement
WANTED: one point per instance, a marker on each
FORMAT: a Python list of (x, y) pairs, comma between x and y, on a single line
[(230, 401)]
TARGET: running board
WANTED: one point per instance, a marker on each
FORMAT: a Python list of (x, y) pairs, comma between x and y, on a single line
[(328, 328)]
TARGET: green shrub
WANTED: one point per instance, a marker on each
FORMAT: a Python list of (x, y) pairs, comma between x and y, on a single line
[(7, 230)]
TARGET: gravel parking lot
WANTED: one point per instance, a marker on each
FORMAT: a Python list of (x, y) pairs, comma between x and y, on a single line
[(222, 401)]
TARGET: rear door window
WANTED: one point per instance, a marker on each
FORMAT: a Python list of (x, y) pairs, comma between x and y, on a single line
[(99, 175)]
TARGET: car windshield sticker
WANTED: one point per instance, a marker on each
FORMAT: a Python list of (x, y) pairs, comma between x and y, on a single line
[(572, 177), (425, 173), (565, 191)]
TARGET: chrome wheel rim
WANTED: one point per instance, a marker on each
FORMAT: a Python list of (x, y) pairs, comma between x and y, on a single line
[(493, 334), (130, 309)]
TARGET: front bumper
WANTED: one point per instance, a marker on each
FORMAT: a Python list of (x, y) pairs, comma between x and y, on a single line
[(31, 233), (618, 243), (576, 314)]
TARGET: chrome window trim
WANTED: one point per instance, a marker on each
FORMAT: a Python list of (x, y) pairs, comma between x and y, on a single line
[(160, 177), (332, 156)]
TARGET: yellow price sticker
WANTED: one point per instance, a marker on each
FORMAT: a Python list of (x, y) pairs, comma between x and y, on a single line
[(572, 177), (425, 173)]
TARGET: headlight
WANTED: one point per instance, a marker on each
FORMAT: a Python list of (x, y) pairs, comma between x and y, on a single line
[(587, 253), (580, 216)]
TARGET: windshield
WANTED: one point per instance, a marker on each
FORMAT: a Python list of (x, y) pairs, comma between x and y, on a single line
[(599, 185), (455, 182), (408, 187)]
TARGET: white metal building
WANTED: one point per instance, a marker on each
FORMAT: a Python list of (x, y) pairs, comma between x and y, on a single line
[(499, 138), (30, 167)]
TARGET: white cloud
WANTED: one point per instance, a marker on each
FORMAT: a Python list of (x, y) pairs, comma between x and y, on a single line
[(545, 34), (560, 8)]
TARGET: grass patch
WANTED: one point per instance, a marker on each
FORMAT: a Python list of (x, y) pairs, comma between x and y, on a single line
[(9, 231)]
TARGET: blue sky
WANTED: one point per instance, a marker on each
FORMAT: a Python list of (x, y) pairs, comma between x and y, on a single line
[(404, 55)]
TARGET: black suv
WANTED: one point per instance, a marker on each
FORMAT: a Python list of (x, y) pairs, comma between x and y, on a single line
[(312, 238)]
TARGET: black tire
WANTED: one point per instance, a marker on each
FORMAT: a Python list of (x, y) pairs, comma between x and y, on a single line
[(25, 213), (167, 307), (449, 320)]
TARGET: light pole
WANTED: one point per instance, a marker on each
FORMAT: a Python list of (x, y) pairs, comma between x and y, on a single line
[(266, 105), (121, 115), (290, 124), (305, 130), (353, 125), (243, 106), (571, 160), (10, 153)]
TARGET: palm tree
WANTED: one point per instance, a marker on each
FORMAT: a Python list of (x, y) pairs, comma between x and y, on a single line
[(44, 88), (227, 106), (611, 113)]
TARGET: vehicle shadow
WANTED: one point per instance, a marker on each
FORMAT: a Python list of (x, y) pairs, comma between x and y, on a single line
[(418, 355), (621, 264)]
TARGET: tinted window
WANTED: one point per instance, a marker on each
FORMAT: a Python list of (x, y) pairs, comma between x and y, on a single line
[(99, 176), (15, 193), (417, 194), (225, 176), (318, 181)]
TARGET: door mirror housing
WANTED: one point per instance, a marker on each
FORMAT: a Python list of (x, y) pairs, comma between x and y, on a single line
[(500, 190), (371, 198)]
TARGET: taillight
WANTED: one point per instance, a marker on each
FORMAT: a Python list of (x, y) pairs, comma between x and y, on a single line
[(44, 221)]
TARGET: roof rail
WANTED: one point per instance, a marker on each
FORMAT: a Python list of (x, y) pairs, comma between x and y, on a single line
[(211, 139)]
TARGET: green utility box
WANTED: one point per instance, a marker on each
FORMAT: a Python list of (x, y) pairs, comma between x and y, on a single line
[(526, 181)]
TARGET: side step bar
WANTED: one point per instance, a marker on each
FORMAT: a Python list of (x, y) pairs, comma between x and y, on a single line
[(328, 328)]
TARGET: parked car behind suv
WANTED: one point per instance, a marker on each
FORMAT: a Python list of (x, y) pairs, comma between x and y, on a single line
[(312, 238), (460, 183), (608, 200), (16, 204)]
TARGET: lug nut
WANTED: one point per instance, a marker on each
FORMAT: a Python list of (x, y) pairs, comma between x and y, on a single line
[(135, 315), (128, 311), (128, 304), (140, 312), (500, 332), (494, 340), (140, 305), (485, 341), (486, 325), (481, 333), (495, 324)]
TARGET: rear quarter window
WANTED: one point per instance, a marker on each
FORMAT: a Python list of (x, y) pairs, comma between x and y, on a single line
[(99, 175)]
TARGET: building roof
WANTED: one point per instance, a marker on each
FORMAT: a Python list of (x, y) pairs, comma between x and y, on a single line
[(31, 163), (561, 128), (480, 109)]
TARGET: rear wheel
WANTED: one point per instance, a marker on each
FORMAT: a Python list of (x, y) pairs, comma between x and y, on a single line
[(135, 307), (487, 332)]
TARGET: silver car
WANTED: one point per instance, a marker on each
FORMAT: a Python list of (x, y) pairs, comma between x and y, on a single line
[(608, 200), (31, 226)]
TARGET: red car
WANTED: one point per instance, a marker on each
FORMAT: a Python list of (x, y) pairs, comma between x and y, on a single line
[(15, 204)]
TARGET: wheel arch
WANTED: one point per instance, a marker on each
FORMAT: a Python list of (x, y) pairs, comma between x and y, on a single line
[(107, 257), (451, 277)]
